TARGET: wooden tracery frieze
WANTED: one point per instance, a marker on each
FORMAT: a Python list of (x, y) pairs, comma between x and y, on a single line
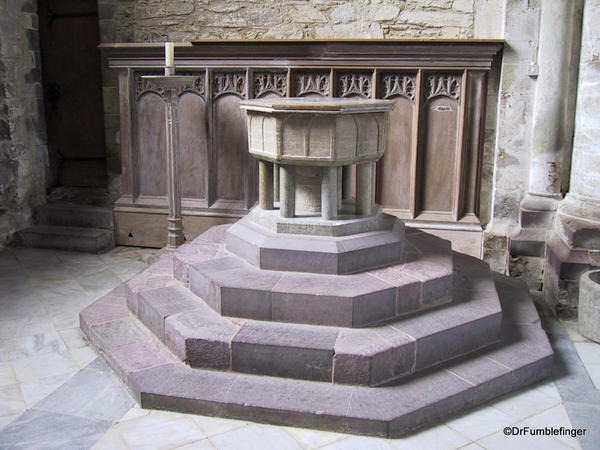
[(447, 85), (229, 83), (270, 82), (398, 85), (312, 83), (350, 84), (145, 85), (197, 87)]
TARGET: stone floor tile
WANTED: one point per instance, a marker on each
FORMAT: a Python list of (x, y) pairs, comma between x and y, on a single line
[(472, 446), (66, 319), (20, 305), (554, 417), (48, 431), (359, 443), (127, 269), (7, 376), (10, 329), (589, 353), (56, 304), (134, 413), (217, 425), (73, 338), (480, 422), (99, 281), (83, 356), (34, 391), (58, 290), (110, 441), (499, 441), (256, 437), (91, 394), (34, 345), (159, 431), (572, 329), (51, 365), (310, 439), (204, 444), (11, 400), (7, 420), (440, 437), (548, 387), (524, 403)]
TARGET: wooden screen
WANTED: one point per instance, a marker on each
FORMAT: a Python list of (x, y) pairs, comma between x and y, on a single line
[(430, 171)]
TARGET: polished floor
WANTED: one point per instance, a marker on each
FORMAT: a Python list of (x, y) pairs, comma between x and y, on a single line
[(55, 393)]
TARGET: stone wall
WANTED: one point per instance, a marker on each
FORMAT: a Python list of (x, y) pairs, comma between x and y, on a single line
[(184, 20), (23, 151), (507, 168)]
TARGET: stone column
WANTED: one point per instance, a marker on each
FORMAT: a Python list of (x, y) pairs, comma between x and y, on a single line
[(329, 193), (347, 182), (579, 212), (287, 193), (175, 236), (265, 184), (552, 116), (364, 189)]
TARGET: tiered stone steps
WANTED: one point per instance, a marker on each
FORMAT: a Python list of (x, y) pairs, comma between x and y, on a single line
[(198, 332), (67, 226)]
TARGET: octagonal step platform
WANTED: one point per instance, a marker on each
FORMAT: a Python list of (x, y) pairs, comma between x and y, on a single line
[(203, 338), (159, 379), (376, 352)]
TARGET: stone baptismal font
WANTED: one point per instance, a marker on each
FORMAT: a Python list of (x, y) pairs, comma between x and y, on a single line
[(317, 309)]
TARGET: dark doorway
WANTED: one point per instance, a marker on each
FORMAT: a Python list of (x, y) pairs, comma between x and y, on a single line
[(72, 81)]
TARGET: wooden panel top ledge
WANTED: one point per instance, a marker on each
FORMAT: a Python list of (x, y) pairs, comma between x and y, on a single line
[(434, 54)]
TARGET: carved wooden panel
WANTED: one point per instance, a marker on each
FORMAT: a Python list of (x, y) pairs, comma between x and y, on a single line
[(430, 172), (438, 153), (354, 84), (193, 140), (230, 148), (316, 83), (151, 156)]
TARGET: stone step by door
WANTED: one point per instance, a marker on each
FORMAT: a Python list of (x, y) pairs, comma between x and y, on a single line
[(71, 227)]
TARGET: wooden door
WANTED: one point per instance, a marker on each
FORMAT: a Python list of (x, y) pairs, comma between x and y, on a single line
[(72, 85)]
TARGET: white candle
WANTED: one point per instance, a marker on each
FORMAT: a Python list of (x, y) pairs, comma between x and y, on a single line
[(169, 54)]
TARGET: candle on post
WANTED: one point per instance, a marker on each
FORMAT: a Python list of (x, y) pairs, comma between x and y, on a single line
[(169, 58)]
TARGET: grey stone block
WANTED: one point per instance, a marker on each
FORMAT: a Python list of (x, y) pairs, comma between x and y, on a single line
[(154, 306), (315, 254), (107, 308), (408, 289), (90, 240), (372, 356), (145, 281), (347, 301), (215, 234), (140, 355), (194, 253), (176, 387), (284, 350), (201, 282), (117, 333), (316, 226), (72, 215), (201, 338), (456, 329), (245, 292)]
